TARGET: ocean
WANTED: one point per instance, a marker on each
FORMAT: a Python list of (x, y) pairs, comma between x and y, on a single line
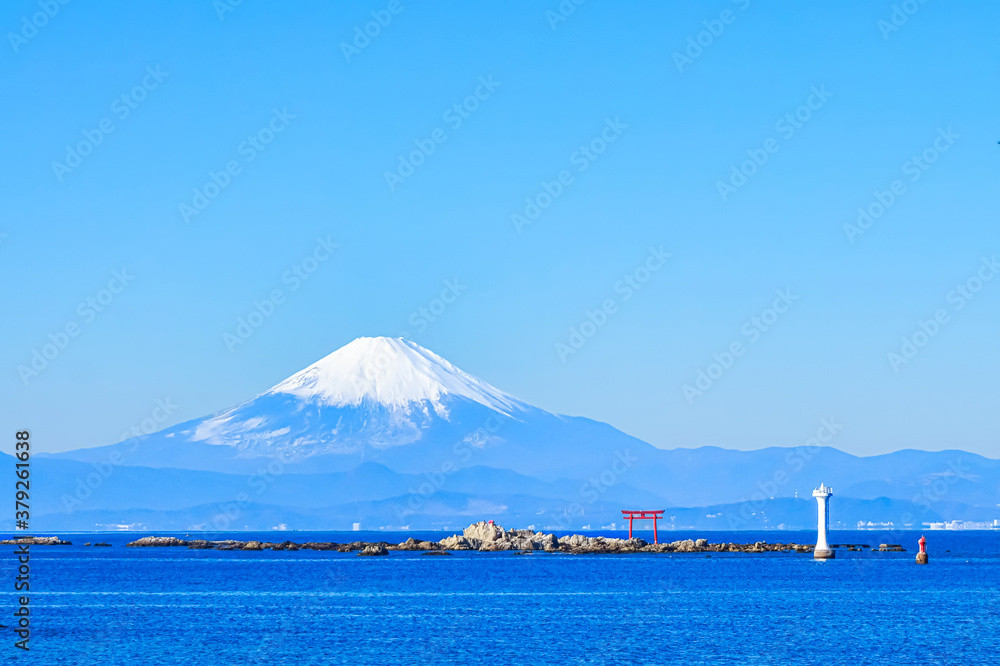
[(169, 606)]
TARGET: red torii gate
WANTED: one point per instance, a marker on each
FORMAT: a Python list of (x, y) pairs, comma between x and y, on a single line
[(642, 515)]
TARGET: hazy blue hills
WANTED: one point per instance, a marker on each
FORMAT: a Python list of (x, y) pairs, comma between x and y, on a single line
[(387, 434)]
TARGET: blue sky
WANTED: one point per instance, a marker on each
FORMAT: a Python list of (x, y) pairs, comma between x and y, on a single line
[(309, 133)]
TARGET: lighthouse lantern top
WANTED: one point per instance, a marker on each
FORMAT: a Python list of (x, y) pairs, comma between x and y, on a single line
[(822, 491)]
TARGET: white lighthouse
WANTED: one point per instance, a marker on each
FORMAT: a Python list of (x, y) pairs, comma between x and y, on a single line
[(823, 550)]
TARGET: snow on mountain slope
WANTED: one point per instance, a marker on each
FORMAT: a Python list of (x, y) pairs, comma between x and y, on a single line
[(388, 401), (371, 395), (386, 430), (392, 372)]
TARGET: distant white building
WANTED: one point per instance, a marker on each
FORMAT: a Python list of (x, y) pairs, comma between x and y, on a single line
[(964, 525)]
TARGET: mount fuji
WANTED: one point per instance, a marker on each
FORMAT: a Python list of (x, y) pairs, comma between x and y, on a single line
[(380, 400), (385, 433)]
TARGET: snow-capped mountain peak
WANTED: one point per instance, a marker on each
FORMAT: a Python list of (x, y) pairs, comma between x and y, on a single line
[(392, 372)]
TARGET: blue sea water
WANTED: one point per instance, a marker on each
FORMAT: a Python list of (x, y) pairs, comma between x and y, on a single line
[(177, 606)]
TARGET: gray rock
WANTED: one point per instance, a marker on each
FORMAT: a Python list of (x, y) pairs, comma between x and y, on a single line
[(574, 540), (320, 545), (200, 544), (456, 542), (414, 544), (486, 536), (36, 541), (685, 546), (151, 541), (374, 549)]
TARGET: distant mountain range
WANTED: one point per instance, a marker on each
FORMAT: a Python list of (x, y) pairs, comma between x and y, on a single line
[(387, 434)]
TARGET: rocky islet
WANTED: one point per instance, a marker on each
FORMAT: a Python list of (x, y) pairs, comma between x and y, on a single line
[(481, 537)]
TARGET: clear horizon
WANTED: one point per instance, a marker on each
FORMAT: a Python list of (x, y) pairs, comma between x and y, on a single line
[(590, 212)]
